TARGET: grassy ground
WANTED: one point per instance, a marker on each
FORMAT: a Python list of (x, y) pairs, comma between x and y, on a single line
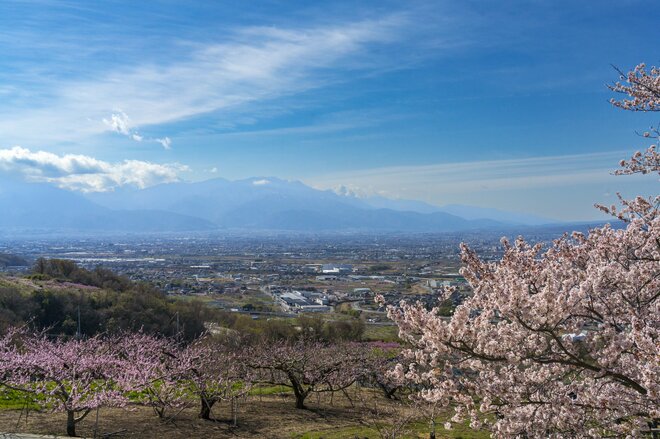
[(269, 390), (381, 333), (14, 400), (416, 430), (267, 412)]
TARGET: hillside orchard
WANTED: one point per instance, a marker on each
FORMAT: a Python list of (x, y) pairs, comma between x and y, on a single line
[(78, 376)]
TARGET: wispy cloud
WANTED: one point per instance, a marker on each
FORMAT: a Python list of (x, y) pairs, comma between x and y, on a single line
[(84, 173), (478, 176), (332, 123), (255, 64)]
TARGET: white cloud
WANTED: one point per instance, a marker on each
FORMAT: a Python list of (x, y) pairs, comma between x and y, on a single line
[(166, 142), (119, 122), (261, 182), (351, 190), (85, 173)]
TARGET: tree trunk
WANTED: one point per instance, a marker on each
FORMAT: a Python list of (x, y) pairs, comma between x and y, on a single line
[(205, 411), (298, 391), (300, 401), (387, 391), (70, 423), (300, 397)]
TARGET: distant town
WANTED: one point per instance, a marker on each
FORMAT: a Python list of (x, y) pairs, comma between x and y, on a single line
[(271, 276)]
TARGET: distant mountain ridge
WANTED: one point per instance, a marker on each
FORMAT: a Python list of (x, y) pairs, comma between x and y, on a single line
[(463, 211), (472, 212), (260, 203)]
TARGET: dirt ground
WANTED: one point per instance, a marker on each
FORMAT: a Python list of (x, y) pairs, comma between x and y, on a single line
[(271, 416)]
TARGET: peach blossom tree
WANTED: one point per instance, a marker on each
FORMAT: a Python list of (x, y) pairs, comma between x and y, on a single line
[(213, 371), (73, 376), (154, 372), (307, 366)]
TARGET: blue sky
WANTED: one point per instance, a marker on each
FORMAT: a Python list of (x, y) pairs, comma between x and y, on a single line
[(496, 104)]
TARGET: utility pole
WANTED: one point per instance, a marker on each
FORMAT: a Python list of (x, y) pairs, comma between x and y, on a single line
[(177, 325), (79, 332)]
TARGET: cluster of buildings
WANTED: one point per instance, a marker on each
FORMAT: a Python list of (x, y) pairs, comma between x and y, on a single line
[(300, 301)]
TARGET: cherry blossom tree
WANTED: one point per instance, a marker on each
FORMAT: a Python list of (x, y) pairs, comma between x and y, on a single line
[(561, 342), (307, 366), (74, 376)]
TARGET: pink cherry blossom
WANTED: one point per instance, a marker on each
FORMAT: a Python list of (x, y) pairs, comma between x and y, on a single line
[(641, 87)]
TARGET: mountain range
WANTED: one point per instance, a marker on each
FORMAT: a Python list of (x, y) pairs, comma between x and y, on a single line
[(250, 204)]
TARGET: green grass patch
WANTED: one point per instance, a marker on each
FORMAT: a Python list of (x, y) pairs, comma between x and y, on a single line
[(269, 390), (381, 333), (15, 400)]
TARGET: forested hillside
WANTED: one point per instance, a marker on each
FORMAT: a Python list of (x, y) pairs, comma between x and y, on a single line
[(58, 291)]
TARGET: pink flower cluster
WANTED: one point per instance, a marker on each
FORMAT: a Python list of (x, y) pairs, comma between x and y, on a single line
[(641, 163), (641, 87)]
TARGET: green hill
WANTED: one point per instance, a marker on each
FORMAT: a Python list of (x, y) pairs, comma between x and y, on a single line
[(9, 260)]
